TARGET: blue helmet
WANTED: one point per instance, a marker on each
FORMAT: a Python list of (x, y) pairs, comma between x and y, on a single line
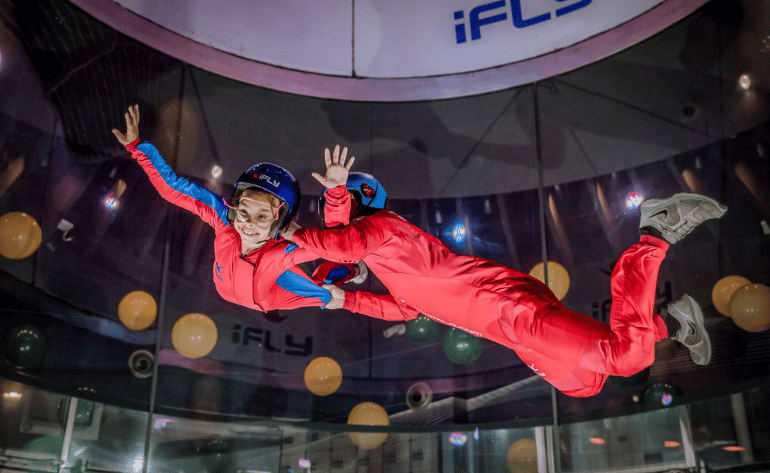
[(274, 180), (366, 190)]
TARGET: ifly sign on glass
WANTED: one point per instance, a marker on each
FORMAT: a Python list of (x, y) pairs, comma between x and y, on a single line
[(511, 11), (408, 38)]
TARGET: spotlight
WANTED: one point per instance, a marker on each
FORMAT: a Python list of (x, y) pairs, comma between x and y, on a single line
[(216, 171), (161, 422), (457, 439), (634, 200), (744, 81), (138, 464), (733, 448), (12, 395), (111, 202), (459, 233), (661, 394)]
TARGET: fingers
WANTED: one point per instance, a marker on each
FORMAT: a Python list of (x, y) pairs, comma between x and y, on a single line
[(136, 113), (336, 155), (319, 178), (128, 121), (120, 136), (343, 156), (327, 157), (350, 163)]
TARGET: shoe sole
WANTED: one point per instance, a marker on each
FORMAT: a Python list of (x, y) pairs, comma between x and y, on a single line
[(653, 206)]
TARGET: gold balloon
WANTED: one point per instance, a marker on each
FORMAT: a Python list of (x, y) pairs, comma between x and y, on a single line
[(368, 413), (522, 456), (137, 310), (20, 235), (723, 291), (194, 335), (558, 277), (750, 307), (323, 376)]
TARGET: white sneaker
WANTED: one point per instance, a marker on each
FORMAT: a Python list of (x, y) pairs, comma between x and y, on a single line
[(692, 332), (361, 273), (675, 217)]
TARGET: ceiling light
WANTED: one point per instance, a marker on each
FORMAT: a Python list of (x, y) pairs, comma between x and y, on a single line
[(744, 81), (733, 448), (216, 171)]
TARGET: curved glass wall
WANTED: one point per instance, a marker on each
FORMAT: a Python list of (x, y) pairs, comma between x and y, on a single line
[(548, 171)]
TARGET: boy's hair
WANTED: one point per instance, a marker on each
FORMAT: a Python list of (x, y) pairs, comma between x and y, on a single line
[(275, 202)]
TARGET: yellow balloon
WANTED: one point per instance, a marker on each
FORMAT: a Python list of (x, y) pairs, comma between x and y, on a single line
[(194, 335), (723, 291), (368, 413), (137, 310), (20, 235), (522, 456), (323, 376), (558, 277), (750, 307)]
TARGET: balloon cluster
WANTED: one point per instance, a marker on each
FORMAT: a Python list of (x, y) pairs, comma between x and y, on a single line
[(747, 304)]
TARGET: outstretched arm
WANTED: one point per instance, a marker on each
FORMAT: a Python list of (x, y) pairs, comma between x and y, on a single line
[(348, 244), (189, 195)]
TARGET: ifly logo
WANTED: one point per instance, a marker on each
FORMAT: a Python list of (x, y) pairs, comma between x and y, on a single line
[(272, 182), (495, 12)]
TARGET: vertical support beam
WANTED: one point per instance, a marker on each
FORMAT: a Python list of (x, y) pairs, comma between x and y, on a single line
[(72, 408), (162, 302), (543, 460), (742, 427), (544, 253), (686, 430)]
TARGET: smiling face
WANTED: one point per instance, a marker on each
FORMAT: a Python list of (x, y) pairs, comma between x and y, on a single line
[(254, 216)]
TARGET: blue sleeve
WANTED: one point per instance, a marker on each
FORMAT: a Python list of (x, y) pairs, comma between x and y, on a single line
[(189, 195)]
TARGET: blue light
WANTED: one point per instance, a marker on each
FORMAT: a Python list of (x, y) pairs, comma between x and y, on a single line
[(459, 233), (111, 202), (634, 200), (666, 399), (458, 439)]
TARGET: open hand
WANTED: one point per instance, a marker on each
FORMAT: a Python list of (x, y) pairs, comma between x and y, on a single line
[(336, 169), (132, 126), (338, 297)]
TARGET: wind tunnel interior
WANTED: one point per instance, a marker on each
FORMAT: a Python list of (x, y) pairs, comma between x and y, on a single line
[(549, 171)]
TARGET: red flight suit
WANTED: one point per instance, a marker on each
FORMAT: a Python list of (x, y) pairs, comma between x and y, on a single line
[(572, 351), (266, 278)]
